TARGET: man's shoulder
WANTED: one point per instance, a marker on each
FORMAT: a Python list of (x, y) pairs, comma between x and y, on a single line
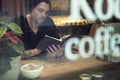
[(49, 21), (21, 21), (21, 18)]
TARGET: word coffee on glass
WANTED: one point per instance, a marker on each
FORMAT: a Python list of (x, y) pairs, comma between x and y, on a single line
[(104, 42)]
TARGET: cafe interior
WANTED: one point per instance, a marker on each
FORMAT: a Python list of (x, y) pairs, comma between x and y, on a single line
[(92, 67)]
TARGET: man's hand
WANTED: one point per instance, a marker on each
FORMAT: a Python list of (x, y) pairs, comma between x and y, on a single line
[(55, 51)]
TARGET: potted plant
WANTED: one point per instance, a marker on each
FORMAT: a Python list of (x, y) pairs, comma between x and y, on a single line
[(11, 48)]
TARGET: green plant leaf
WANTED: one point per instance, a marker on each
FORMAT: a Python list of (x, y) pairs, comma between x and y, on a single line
[(15, 28), (2, 22), (2, 31), (18, 48)]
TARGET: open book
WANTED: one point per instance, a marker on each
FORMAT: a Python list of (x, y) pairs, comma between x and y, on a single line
[(48, 41)]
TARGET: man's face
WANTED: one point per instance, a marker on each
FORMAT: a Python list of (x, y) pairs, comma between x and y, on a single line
[(40, 12)]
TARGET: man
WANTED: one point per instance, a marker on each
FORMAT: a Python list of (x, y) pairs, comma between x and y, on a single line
[(35, 26)]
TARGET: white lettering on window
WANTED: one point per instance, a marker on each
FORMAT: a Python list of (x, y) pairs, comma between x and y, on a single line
[(99, 9), (68, 49), (82, 49), (104, 36)]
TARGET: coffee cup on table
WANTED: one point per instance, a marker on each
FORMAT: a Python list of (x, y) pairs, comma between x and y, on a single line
[(31, 70)]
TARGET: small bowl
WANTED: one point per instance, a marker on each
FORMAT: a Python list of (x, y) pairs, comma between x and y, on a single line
[(85, 76), (31, 70)]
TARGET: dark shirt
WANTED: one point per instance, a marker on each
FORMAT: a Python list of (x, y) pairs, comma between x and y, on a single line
[(32, 39)]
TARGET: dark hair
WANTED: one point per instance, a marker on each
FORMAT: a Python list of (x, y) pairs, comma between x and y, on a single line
[(34, 3)]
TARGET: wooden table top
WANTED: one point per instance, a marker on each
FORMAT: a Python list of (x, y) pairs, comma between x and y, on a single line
[(57, 68)]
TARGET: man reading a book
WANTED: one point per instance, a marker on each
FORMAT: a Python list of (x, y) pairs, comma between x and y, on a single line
[(36, 25)]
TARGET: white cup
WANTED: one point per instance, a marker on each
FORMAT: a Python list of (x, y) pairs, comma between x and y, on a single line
[(31, 70)]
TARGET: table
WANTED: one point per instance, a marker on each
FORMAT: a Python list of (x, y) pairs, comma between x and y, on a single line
[(59, 68)]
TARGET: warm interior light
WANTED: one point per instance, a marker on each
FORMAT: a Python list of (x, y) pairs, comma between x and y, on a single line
[(65, 21)]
